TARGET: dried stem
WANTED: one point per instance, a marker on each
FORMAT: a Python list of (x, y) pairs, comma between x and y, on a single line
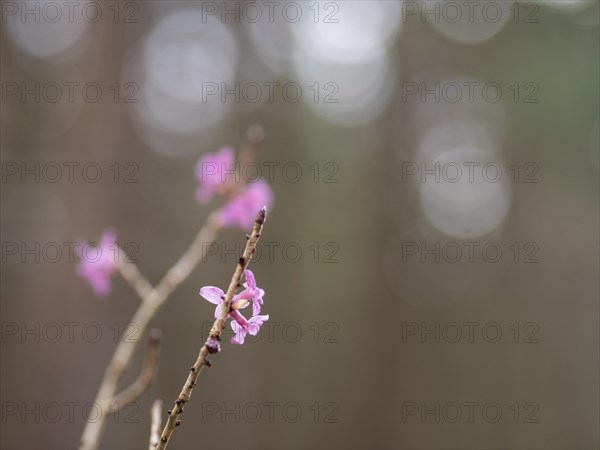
[(214, 334), (144, 379), (155, 414), (152, 300)]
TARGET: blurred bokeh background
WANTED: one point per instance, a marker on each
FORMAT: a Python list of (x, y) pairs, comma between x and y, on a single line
[(433, 280)]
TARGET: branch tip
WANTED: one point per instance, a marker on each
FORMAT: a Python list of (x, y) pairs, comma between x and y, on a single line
[(262, 214), (255, 134), (155, 424), (155, 335)]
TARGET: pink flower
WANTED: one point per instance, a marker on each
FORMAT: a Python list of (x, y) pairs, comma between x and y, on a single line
[(239, 324), (252, 292), (242, 327), (211, 172), (215, 296), (242, 209), (97, 266)]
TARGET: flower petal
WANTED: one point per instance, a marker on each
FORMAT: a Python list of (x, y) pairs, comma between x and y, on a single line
[(253, 329), (240, 333), (255, 308), (241, 210), (238, 338), (212, 294), (259, 319), (251, 281), (236, 327), (255, 323)]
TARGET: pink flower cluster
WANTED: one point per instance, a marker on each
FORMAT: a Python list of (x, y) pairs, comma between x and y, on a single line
[(240, 210), (239, 324), (212, 172)]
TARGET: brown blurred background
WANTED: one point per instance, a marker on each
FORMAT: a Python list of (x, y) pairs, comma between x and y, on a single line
[(378, 292)]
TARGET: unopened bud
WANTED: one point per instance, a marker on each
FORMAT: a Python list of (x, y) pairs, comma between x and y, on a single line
[(212, 345)]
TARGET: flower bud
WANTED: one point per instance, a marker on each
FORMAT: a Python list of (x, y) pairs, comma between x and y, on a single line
[(212, 345)]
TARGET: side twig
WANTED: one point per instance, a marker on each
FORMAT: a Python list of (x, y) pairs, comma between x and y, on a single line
[(132, 275), (144, 379), (214, 334), (155, 414)]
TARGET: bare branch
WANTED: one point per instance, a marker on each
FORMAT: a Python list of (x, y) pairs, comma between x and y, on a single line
[(132, 275), (155, 414), (214, 335), (144, 379), (255, 137)]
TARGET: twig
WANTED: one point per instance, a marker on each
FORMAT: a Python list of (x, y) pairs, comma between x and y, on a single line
[(152, 300), (255, 137), (155, 414), (144, 379), (132, 275), (214, 334)]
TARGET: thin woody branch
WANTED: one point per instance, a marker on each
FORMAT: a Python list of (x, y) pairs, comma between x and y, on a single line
[(214, 336), (151, 302), (255, 137), (144, 379), (155, 415), (189, 260), (133, 276)]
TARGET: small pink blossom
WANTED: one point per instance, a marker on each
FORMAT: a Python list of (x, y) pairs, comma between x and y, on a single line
[(211, 173), (242, 327), (241, 210), (251, 293), (96, 267)]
